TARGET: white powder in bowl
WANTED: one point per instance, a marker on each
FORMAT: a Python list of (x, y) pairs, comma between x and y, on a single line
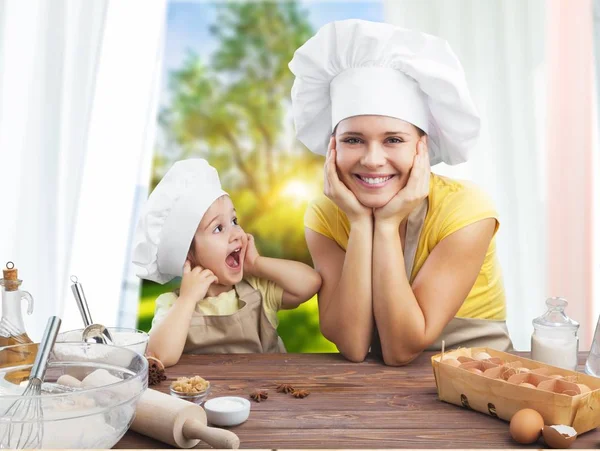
[(226, 405), (132, 340), (137, 342)]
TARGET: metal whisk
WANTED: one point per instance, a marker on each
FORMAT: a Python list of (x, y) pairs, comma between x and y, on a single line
[(25, 428)]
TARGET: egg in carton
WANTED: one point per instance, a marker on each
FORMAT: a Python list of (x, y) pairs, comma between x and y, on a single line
[(500, 384)]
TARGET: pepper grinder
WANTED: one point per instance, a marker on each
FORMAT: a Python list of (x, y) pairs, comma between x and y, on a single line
[(96, 332)]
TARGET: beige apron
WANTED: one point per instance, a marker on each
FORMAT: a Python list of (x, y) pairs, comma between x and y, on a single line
[(465, 332), (246, 331)]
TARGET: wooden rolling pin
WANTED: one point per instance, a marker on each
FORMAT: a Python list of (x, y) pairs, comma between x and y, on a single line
[(163, 417)]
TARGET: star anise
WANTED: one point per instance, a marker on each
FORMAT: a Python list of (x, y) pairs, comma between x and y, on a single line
[(156, 371), (285, 388), (300, 393), (259, 395)]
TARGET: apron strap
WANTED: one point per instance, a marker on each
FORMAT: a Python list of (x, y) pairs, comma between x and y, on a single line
[(243, 289), (414, 225)]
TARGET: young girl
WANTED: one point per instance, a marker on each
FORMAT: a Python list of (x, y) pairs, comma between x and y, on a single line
[(229, 295)]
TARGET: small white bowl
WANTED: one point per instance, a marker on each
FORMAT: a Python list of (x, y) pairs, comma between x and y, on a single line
[(227, 410)]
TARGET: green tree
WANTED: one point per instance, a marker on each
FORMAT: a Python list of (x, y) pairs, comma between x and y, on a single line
[(232, 112)]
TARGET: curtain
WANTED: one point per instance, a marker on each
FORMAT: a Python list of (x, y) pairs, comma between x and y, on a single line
[(77, 91)]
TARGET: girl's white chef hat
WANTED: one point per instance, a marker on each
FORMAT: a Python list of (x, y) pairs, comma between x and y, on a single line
[(171, 216), (355, 67)]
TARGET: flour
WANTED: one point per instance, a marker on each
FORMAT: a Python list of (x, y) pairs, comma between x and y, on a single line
[(80, 420), (75, 422), (560, 352), (135, 341), (93, 353)]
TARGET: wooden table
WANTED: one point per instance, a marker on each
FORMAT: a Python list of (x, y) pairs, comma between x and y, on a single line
[(366, 405)]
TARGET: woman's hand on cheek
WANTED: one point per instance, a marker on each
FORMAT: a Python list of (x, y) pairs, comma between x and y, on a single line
[(409, 197), (195, 282), (339, 193), (251, 256)]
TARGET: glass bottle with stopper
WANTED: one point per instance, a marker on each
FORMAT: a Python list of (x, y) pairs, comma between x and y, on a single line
[(554, 340), (592, 365), (12, 329)]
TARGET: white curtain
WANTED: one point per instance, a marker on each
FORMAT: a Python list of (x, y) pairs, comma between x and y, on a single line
[(48, 63), (501, 46), (77, 88), (596, 169)]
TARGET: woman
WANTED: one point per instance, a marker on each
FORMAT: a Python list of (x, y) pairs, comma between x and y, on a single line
[(407, 257)]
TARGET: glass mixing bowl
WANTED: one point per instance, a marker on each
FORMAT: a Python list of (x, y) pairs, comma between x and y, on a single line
[(134, 339), (88, 417)]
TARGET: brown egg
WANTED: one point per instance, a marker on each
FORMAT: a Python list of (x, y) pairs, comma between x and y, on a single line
[(569, 392), (584, 388), (559, 436), (451, 361), (482, 356), (526, 426), (475, 370), (508, 372), (525, 384)]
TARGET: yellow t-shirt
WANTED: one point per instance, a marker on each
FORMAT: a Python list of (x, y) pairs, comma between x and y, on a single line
[(453, 204), (227, 303)]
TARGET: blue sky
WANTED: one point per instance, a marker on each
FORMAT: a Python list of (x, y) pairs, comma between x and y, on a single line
[(188, 22)]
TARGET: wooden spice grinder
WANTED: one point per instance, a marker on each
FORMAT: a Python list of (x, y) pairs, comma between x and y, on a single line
[(166, 418)]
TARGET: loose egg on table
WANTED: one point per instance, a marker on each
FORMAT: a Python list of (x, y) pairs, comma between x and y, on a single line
[(526, 426)]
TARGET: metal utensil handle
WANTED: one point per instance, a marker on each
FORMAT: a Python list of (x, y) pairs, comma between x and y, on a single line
[(81, 303), (41, 358)]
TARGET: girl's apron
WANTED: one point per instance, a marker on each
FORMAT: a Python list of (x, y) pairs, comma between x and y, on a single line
[(246, 331), (459, 332)]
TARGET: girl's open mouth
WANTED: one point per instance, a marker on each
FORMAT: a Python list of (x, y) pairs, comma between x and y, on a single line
[(233, 259)]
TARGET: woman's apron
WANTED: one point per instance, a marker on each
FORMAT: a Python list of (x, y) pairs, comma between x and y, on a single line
[(459, 332), (246, 331)]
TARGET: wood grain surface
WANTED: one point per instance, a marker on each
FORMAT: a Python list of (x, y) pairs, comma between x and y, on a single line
[(365, 405)]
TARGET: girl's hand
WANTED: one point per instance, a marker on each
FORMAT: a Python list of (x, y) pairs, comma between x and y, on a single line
[(251, 256), (409, 197), (339, 193), (195, 282)]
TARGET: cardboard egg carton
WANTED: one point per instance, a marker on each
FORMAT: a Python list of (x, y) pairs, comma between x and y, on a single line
[(492, 386)]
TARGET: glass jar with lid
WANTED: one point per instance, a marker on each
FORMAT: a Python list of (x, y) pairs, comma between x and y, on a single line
[(554, 340)]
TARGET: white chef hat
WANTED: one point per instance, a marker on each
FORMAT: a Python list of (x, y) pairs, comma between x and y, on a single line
[(355, 67), (171, 216)]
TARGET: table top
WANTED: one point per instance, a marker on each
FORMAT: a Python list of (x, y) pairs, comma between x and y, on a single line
[(351, 405)]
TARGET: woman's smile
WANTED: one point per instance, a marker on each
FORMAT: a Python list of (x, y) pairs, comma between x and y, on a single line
[(373, 181)]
